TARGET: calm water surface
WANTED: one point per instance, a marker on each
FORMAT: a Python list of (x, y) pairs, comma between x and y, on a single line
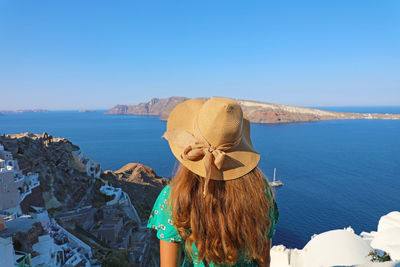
[(336, 173)]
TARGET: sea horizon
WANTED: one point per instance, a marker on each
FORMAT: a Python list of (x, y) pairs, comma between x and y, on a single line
[(336, 108)]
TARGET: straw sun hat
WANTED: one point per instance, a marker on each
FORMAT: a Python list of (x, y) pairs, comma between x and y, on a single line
[(212, 138)]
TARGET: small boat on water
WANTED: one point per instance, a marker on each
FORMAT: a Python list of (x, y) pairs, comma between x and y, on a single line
[(275, 182)]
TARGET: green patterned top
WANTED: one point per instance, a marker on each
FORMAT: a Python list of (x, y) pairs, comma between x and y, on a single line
[(161, 220)]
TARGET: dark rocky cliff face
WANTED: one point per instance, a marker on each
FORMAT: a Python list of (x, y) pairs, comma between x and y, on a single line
[(63, 182), (156, 107), (65, 186), (141, 183)]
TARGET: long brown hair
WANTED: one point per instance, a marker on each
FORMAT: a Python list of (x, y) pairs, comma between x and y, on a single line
[(229, 222)]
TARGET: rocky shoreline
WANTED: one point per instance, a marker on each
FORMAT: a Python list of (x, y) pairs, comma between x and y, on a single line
[(258, 112), (71, 195)]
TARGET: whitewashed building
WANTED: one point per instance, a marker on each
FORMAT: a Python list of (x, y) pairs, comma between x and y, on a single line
[(14, 186), (343, 247)]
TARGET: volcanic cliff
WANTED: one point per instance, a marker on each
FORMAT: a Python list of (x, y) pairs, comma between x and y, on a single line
[(140, 182), (258, 112), (157, 107)]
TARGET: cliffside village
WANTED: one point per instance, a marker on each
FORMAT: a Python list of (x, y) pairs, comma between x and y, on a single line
[(31, 235)]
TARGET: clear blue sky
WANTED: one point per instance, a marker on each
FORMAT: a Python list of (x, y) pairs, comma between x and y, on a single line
[(95, 54)]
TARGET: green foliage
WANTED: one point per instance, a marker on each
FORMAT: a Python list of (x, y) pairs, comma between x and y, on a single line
[(144, 212), (97, 184), (78, 235), (45, 182), (53, 210), (59, 221), (131, 223), (80, 230), (99, 199), (38, 225), (20, 156), (375, 257), (120, 259)]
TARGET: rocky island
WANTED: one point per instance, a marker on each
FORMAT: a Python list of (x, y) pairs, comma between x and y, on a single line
[(258, 112)]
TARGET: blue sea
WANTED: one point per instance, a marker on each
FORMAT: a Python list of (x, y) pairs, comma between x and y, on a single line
[(336, 173)]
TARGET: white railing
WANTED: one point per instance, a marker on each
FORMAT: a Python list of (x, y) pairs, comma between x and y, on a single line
[(33, 176), (23, 195), (35, 184), (18, 179)]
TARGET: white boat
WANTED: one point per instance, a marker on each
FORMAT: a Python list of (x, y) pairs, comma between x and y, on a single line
[(275, 182)]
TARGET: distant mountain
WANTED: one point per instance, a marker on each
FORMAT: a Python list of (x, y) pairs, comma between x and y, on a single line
[(258, 112), (156, 107)]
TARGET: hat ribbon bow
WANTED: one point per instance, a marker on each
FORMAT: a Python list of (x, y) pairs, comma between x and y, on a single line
[(196, 147)]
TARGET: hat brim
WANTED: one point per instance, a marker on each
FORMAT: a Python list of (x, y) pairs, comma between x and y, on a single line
[(238, 161)]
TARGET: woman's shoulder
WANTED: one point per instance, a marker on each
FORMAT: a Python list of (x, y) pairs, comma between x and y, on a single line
[(162, 201), (166, 191), (161, 218)]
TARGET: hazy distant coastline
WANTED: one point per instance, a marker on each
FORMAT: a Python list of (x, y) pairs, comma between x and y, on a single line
[(17, 111), (258, 112)]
